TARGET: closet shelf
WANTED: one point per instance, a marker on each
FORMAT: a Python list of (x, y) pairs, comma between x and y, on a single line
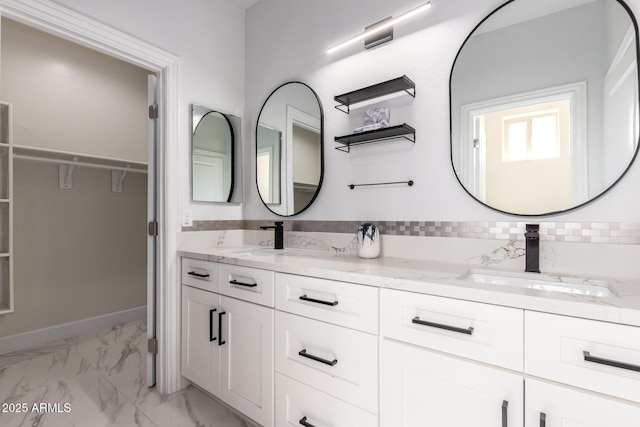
[(77, 159), (400, 84), (68, 161), (403, 131)]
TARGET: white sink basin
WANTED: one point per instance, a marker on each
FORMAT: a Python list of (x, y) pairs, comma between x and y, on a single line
[(257, 252), (542, 282)]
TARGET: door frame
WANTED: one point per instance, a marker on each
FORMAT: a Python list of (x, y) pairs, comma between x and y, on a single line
[(576, 93), (59, 21)]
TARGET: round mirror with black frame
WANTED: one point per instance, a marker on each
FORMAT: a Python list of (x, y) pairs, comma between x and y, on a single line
[(544, 104), (212, 156), (289, 149)]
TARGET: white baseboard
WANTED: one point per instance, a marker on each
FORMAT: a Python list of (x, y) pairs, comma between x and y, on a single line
[(43, 336)]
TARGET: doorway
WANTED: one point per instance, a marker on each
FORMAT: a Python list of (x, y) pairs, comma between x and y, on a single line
[(66, 24)]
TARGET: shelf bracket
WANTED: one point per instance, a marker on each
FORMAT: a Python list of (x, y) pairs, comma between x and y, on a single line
[(65, 175), (344, 108), (117, 178)]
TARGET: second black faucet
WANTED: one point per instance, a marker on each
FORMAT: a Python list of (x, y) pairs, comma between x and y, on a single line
[(279, 233)]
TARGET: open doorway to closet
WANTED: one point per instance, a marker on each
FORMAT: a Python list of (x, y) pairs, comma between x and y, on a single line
[(83, 189)]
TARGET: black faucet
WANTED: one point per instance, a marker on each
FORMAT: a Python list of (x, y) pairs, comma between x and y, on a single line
[(279, 233), (532, 251)]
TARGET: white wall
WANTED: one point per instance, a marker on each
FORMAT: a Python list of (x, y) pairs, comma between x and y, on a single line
[(286, 40), (208, 37)]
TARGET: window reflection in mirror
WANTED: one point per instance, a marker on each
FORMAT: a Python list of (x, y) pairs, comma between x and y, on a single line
[(544, 104), (289, 157), (213, 156)]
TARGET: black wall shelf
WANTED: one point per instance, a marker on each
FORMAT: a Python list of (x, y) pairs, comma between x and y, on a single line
[(399, 84), (394, 132)]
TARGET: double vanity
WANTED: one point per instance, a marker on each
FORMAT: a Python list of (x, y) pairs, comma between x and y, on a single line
[(300, 338)]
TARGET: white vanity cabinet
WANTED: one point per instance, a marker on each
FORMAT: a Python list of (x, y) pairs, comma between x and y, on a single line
[(421, 387), (227, 343), (326, 353), (553, 405), (432, 370), (601, 358)]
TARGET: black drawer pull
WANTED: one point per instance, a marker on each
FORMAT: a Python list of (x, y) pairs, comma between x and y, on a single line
[(589, 358), (220, 341), (304, 353), (193, 273), (248, 285), (319, 301), (467, 331), (543, 419), (211, 337), (304, 422), (505, 405)]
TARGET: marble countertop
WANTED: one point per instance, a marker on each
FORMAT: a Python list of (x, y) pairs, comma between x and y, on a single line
[(437, 278)]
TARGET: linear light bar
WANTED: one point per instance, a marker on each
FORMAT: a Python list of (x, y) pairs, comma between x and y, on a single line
[(382, 27)]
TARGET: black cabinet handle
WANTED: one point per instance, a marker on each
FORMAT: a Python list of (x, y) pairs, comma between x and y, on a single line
[(248, 285), (622, 365), (505, 405), (193, 273), (543, 419), (220, 341), (318, 301), (467, 331), (211, 337), (304, 353), (304, 422)]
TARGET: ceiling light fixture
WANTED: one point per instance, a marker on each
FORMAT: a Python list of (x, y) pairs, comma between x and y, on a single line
[(376, 29)]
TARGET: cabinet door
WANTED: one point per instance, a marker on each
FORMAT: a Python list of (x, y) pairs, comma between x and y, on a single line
[(200, 350), (428, 389), (556, 406), (246, 366)]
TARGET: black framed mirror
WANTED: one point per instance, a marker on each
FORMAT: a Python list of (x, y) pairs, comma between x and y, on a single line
[(289, 149), (212, 156), (544, 104)]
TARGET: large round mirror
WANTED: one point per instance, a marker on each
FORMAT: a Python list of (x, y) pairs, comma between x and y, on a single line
[(212, 156), (544, 104), (289, 155)]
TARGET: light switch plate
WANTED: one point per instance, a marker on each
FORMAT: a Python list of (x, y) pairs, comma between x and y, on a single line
[(187, 218)]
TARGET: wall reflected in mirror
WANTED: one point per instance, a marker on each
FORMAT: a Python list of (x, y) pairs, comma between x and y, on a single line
[(544, 104), (214, 148), (289, 157)]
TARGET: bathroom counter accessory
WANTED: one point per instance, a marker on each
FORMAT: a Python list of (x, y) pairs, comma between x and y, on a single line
[(400, 84)]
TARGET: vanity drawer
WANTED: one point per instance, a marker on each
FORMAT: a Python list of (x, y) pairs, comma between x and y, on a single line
[(482, 332), (594, 355), (345, 304), (246, 283), (330, 358), (201, 274), (296, 401)]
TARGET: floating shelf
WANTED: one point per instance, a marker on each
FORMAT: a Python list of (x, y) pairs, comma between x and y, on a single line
[(400, 84), (394, 132)]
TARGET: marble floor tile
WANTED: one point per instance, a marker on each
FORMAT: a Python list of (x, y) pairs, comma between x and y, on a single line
[(122, 414), (194, 408), (115, 350), (64, 402), (20, 356), (23, 377), (101, 378)]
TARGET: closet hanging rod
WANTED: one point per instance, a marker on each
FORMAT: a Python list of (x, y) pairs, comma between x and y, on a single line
[(77, 163)]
